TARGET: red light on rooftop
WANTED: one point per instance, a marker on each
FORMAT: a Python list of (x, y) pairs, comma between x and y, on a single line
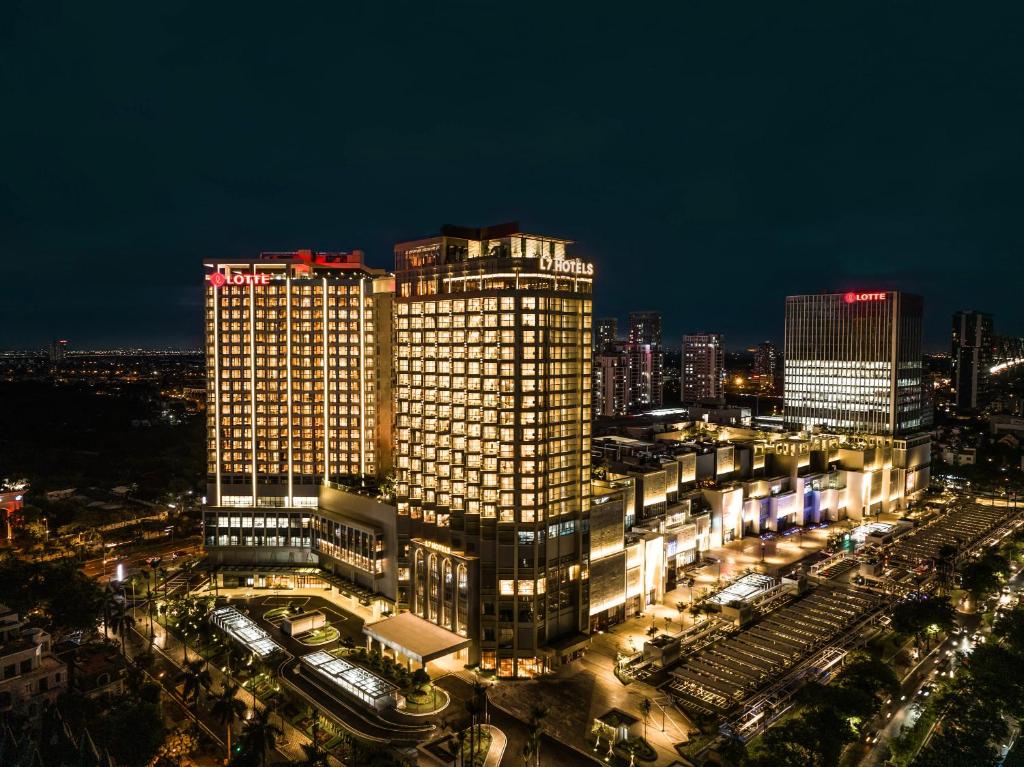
[(217, 279)]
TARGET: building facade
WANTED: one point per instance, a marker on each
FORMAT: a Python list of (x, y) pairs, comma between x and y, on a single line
[(611, 381), (972, 357), (31, 676), (493, 355), (298, 351), (702, 368), (606, 333), (766, 368), (645, 361), (853, 362)]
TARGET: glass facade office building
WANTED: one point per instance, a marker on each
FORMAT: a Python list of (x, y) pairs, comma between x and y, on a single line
[(853, 362), (493, 355)]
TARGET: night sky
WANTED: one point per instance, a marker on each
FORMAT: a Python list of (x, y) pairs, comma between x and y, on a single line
[(710, 157)]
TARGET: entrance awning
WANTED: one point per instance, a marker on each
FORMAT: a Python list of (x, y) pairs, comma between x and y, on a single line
[(415, 637)]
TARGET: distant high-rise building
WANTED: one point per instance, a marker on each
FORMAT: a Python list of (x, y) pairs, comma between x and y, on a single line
[(972, 356), (58, 350), (702, 368), (645, 361), (611, 381), (493, 392), (766, 367), (606, 333), (645, 328), (853, 362)]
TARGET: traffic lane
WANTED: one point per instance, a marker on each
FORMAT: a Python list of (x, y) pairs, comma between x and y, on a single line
[(893, 716), (95, 567)]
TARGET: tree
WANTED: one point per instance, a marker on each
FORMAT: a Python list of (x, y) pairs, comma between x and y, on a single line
[(195, 677), (460, 746), (527, 752), (645, 712), (979, 579), (920, 617), (313, 756), (421, 678), (227, 708), (259, 735), (538, 713), (121, 622)]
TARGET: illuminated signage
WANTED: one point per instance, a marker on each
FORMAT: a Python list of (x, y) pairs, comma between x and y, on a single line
[(219, 279), (856, 298), (561, 265)]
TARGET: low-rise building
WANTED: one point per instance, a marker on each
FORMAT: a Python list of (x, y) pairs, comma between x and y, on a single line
[(30, 674)]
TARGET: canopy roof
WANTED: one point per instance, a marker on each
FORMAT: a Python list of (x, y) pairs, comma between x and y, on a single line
[(415, 637)]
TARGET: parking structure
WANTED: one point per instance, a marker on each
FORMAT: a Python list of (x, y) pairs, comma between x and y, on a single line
[(726, 673), (962, 528)]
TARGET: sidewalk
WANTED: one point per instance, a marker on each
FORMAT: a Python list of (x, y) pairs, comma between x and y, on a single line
[(170, 648)]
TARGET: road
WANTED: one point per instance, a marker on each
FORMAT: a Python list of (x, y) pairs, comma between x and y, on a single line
[(135, 560), (903, 711)]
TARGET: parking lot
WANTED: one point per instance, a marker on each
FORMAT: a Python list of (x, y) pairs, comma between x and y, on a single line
[(724, 674)]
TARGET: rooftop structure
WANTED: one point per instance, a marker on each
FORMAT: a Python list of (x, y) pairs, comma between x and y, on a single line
[(358, 682), (244, 631)]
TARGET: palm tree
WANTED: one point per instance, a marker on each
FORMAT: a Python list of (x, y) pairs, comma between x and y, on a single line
[(527, 752), (121, 622), (195, 677), (460, 746), (473, 707), (645, 712), (112, 603), (187, 569), (227, 708), (260, 734), (314, 756), (538, 713), (150, 603)]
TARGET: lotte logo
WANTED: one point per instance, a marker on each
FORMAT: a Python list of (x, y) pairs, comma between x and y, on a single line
[(219, 279), (855, 298)]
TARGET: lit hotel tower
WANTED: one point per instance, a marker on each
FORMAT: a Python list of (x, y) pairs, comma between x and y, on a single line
[(493, 384), (299, 370), (853, 362)]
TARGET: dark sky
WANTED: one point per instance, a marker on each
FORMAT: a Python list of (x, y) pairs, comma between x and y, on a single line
[(711, 157)]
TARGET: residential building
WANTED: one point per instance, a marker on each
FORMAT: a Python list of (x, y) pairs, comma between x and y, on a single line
[(645, 328), (972, 356), (853, 362), (493, 355), (766, 368), (606, 333), (645, 361), (703, 368), (30, 675), (611, 381)]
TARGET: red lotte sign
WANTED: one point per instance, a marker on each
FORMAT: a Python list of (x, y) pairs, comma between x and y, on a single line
[(856, 298), (219, 279)]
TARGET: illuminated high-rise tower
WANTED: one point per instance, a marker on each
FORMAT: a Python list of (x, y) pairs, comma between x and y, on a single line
[(853, 362), (493, 357), (299, 373)]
